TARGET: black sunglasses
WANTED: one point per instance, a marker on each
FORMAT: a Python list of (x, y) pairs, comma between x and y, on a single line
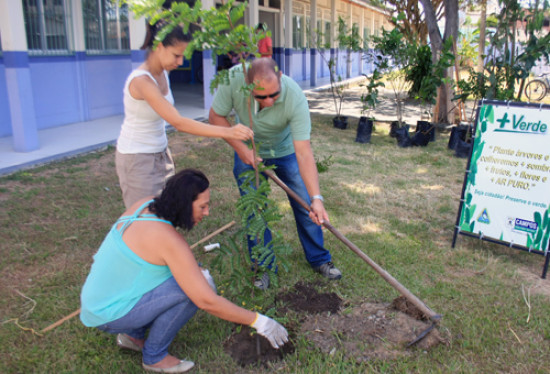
[(263, 97)]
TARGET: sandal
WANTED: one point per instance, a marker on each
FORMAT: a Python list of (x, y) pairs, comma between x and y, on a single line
[(182, 367)]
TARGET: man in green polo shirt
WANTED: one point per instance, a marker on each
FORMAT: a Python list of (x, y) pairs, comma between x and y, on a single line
[(282, 128)]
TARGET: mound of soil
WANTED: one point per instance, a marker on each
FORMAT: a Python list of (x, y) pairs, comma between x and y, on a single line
[(403, 305), (365, 332), (368, 331), (305, 298), (246, 347)]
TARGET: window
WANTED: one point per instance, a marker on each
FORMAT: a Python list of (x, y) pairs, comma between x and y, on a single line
[(105, 26), (328, 41), (308, 31), (319, 35), (297, 31), (355, 33), (365, 38), (46, 25)]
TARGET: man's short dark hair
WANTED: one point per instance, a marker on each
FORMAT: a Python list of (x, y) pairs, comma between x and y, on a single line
[(175, 202)]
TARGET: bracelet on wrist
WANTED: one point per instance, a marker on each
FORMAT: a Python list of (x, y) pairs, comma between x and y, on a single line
[(318, 197)]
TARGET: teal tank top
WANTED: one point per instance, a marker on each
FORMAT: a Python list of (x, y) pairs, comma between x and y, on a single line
[(118, 277)]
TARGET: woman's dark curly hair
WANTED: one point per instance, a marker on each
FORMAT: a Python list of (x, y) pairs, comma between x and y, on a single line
[(175, 203), (174, 36)]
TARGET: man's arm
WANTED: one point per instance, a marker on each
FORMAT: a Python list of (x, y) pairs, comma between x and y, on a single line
[(245, 154), (308, 171)]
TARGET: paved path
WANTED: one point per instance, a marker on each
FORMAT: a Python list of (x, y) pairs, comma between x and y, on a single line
[(321, 102), (78, 138)]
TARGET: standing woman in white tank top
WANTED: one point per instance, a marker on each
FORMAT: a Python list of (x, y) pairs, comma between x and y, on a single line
[(143, 160)]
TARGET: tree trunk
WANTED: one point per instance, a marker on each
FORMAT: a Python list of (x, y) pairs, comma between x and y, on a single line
[(446, 113), (436, 40), (482, 27)]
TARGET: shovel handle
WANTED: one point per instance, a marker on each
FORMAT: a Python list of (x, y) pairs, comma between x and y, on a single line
[(391, 280)]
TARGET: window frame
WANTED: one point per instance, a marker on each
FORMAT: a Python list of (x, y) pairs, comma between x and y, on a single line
[(103, 24), (298, 37), (42, 23)]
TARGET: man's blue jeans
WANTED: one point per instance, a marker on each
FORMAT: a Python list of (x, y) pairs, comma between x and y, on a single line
[(164, 311), (310, 234)]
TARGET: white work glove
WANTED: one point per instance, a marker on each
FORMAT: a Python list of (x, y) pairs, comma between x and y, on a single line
[(271, 330), (209, 279)]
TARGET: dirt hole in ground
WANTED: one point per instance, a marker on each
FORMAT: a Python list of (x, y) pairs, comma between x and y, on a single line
[(364, 332)]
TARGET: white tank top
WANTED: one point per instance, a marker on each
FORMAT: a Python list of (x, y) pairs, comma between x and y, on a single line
[(143, 130)]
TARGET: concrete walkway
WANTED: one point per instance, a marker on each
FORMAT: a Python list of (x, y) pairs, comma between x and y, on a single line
[(82, 137), (78, 138)]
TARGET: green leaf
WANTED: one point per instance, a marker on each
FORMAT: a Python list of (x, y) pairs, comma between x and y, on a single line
[(538, 218)]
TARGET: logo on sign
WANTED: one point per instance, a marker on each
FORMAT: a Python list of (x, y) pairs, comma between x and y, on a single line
[(484, 217), (519, 123), (525, 225)]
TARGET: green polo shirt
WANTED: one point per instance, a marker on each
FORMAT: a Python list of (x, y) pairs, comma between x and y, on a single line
[(275, 127)]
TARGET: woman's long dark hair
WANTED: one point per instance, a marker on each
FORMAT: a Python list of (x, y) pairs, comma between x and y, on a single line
[(174, 36), (175, 203)]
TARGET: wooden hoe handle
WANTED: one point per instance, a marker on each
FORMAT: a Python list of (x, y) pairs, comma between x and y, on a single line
[(391, 280)]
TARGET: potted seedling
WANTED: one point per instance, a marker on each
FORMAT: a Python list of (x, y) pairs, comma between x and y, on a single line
[(474, 87), (351, 42), (369, 100), (428, 90), (337, 90), (420, 67), (390, 57)]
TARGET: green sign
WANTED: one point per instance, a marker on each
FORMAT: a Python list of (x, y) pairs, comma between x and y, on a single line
[(506, 194)]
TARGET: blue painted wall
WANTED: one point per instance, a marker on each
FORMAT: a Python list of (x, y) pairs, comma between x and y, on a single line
[(69, 89), (300, 67), (5, 119), (77, 88), (355, 61), (307, 64), (297, 64), (54, 91), (279, 56), (105, 77)]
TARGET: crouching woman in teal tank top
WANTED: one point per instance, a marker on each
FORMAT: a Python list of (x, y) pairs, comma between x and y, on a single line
[(145, 278)]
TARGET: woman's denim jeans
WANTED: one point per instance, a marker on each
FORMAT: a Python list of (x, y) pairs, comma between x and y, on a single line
[(164, 311), (310, 234)]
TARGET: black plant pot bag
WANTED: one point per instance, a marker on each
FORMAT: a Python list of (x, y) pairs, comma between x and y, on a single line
[(402, 136), (393, 126), (364, 130), (426, 128), (340, 122), (421, 139), (457, 133), (463, 149)]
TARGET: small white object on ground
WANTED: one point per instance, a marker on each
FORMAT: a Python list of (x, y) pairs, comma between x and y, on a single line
[(209, 247)]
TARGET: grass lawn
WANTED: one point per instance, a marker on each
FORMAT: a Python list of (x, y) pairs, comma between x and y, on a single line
[(398, 205)]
